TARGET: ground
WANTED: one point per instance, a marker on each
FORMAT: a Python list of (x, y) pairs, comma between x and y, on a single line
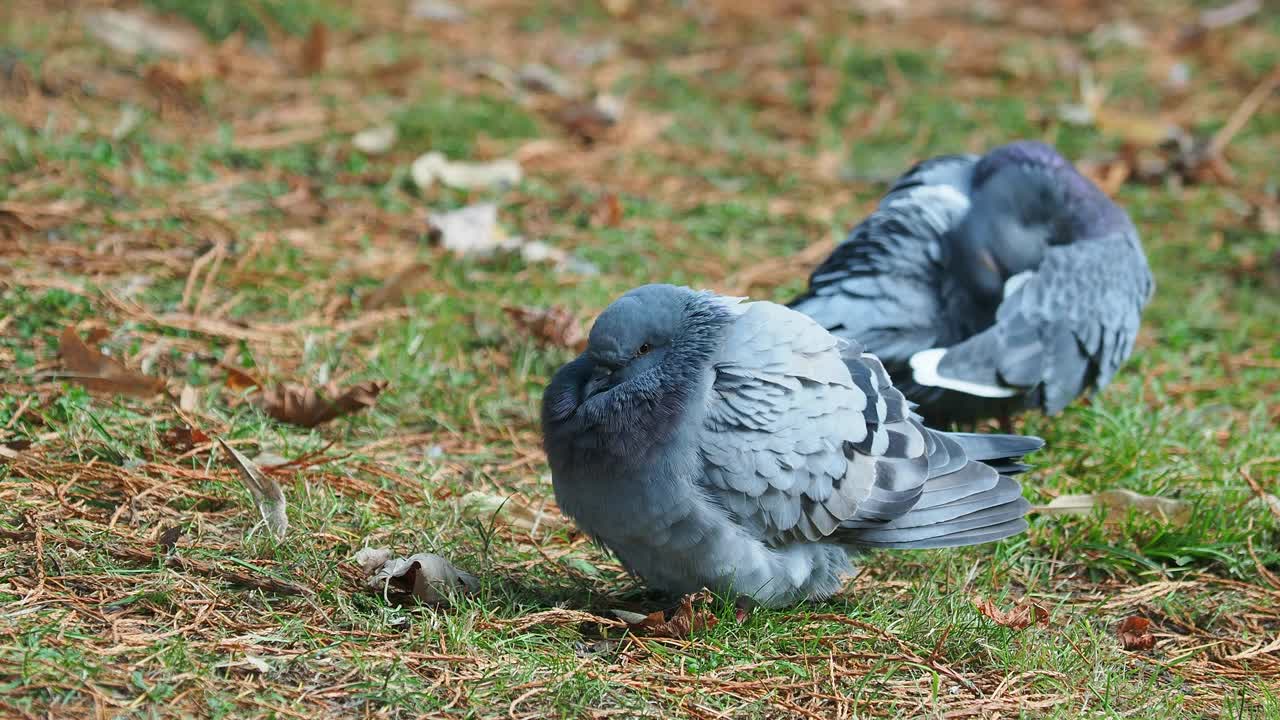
[(201, 204)]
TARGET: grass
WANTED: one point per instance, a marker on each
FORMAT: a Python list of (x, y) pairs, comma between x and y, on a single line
[(780, 127)]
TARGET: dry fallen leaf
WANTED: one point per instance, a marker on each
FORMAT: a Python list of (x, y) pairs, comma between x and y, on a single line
[(314, 49), (102, 374), (1118, 503), (396, 288), (266, 492), (480, 505), (1142, 130), (307, 407), (437, 10), (16, 80), (183, 438), (1135, 633), (375, 140), (433, 166), (168, 539), (1023, 615), (608, 212), (542, 79), (238, 380), (136, 32), (473, 231), (249, 664), (188, 399), (684, 621), (554, 326), (428, 577), (589, 120)]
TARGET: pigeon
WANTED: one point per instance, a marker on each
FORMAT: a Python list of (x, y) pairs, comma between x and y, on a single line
[(710, 442), (989, 285)]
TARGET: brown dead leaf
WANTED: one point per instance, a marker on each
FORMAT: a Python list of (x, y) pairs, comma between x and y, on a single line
[(430, 578), (266, 492), (17, 80), (608, 212), (684, 621), (1135, 633), (101, 374), (395, 77), (1142, 130), (396, 288), (585, 120), (618, 8), (314, 50), (308, 407), (554, 326), (168, 87), (1023, 615), (168, 539), (1109, 175), (239, 381), (183, 438)]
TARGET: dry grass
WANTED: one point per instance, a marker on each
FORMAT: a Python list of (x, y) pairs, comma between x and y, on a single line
[(207, 210)]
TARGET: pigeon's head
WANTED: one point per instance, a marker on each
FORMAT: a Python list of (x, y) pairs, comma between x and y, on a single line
[(643, 361), (1013, 218), (635, 334), (1025, 197)]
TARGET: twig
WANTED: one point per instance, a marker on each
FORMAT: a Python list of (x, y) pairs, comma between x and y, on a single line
[(37, 536), (1257, 489), (145, 557), (1246, 109)]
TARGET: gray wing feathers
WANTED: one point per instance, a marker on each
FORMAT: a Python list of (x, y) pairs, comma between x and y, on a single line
[(979, 517), (806, 439), (880, 285), (1068, 328)]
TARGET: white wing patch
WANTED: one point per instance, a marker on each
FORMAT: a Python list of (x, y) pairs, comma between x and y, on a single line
[(924, 370), (1015, 283), (940, 206)]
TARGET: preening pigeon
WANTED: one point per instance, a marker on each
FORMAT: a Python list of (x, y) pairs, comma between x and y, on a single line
[(741, 447), (989, 285)]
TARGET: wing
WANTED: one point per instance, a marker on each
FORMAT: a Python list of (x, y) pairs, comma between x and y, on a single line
[(805, 439), (1067, 327), (883, 286)]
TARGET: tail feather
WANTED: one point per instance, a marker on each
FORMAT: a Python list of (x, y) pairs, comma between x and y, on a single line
[(979, 536), (950, 533), (952, 511), (974, 479), (996, 449)]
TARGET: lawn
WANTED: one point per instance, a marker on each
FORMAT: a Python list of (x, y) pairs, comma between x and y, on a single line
[(217, 194)]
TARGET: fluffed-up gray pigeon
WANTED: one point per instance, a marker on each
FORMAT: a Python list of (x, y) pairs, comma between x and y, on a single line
[(989, 285), (739, 446)]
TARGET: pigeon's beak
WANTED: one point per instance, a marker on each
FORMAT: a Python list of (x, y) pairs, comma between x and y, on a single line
[(601, 380)]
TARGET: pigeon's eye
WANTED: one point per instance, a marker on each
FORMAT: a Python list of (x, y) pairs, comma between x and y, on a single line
[(644, 349)]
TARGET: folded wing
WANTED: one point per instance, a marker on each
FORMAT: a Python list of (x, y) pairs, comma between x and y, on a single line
[(805, 439)]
